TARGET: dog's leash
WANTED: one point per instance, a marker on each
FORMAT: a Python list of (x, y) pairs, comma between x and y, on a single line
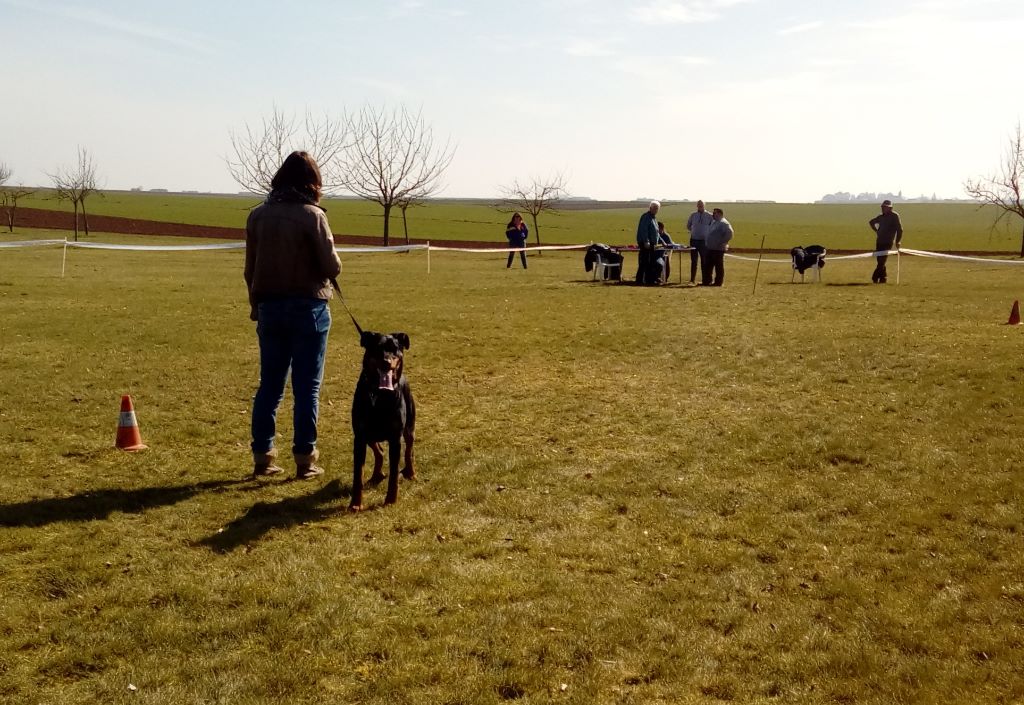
[(334, 283)]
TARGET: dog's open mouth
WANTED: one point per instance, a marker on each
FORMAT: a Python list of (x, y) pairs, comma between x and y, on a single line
[(386, 380)]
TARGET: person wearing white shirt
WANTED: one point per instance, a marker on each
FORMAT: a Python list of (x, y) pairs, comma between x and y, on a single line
[(697, 225)]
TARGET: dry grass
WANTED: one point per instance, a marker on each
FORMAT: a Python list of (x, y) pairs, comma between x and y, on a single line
[(626, 495)]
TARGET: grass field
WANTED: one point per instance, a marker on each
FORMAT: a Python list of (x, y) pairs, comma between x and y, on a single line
[(940, 226), (812, 494)]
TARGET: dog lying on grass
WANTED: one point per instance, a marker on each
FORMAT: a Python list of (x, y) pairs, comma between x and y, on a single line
[(382, 410)]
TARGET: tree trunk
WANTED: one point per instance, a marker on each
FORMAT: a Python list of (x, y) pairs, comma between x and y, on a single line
[(405, 227), (536, 230), (76, 220), (387, 218), (10, 218), (85, 217)]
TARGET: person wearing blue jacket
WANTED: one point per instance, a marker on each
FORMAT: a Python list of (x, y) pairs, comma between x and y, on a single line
[(516, 233)]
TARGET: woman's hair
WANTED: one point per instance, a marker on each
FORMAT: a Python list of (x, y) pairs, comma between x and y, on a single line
[(513, 220), (300, 172)]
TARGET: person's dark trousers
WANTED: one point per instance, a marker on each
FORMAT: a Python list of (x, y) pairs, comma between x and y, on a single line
[(696, 255), (656, 272), (879, 275), (706, 261), (522, 256), (645, 260), (667, 257), (715, 266)]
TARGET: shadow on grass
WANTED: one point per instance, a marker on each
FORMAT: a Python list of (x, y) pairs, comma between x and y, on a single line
[(817, 284), (266, 516), (100, 504), (631, 282)]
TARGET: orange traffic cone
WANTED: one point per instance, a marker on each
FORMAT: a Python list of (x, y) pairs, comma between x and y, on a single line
[(128, 437), (1014, 315)]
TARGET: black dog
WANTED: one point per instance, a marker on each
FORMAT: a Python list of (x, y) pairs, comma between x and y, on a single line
[(382, 410)]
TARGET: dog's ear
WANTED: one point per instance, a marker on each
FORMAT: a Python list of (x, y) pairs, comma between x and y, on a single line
[(366, 338), (402, 339)]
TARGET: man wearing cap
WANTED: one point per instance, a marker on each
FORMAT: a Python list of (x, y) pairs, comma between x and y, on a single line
[(648, 267), (888, 232), (698, 225)]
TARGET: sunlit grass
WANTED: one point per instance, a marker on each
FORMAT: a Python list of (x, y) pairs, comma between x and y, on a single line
[(809, 494)]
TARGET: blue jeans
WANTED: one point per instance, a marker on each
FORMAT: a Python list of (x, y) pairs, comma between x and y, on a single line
[(292, 335)]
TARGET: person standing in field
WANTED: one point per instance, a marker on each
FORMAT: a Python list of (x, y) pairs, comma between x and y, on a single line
[(289, 264), (888, 232), (697, 225), (665, 240), (648, 269), (516, 233), (718, 237)]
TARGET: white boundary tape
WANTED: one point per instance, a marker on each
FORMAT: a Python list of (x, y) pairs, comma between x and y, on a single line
[(479, 250), (903, 251), (31, 243), (862, 255), (485, 250), (396, 248), (943, 255), (156, 248)]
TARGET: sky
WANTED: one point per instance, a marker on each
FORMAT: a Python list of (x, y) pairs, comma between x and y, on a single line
[(782, 100)]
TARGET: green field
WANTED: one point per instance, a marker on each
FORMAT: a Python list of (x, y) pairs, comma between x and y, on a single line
[(940, 226), (812, 494)]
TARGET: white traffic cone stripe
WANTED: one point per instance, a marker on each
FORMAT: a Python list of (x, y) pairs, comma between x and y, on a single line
[(127, 419)]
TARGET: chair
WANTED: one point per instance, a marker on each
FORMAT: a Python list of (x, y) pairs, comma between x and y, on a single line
[(810, 257), (607, 269), (605, 262)]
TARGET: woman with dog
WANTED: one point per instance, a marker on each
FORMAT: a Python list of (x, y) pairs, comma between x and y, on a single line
[(289, 264), (516, 233)]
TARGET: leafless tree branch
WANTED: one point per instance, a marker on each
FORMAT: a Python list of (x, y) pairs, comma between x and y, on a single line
[(393, 160), (258, 151), (76, 184), (536, 196), (9, 197), (1003, 189)]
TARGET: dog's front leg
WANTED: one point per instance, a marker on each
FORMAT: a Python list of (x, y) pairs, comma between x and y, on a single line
[(394, 454), (378, 465), (409, 434), (358, 458), (408, 472)]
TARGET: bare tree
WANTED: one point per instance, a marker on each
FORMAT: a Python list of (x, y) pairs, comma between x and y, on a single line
[(393, 160), (258, 151), (1003, 189), (404, 205), (9, 197), (536, 196), (76, 184)]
